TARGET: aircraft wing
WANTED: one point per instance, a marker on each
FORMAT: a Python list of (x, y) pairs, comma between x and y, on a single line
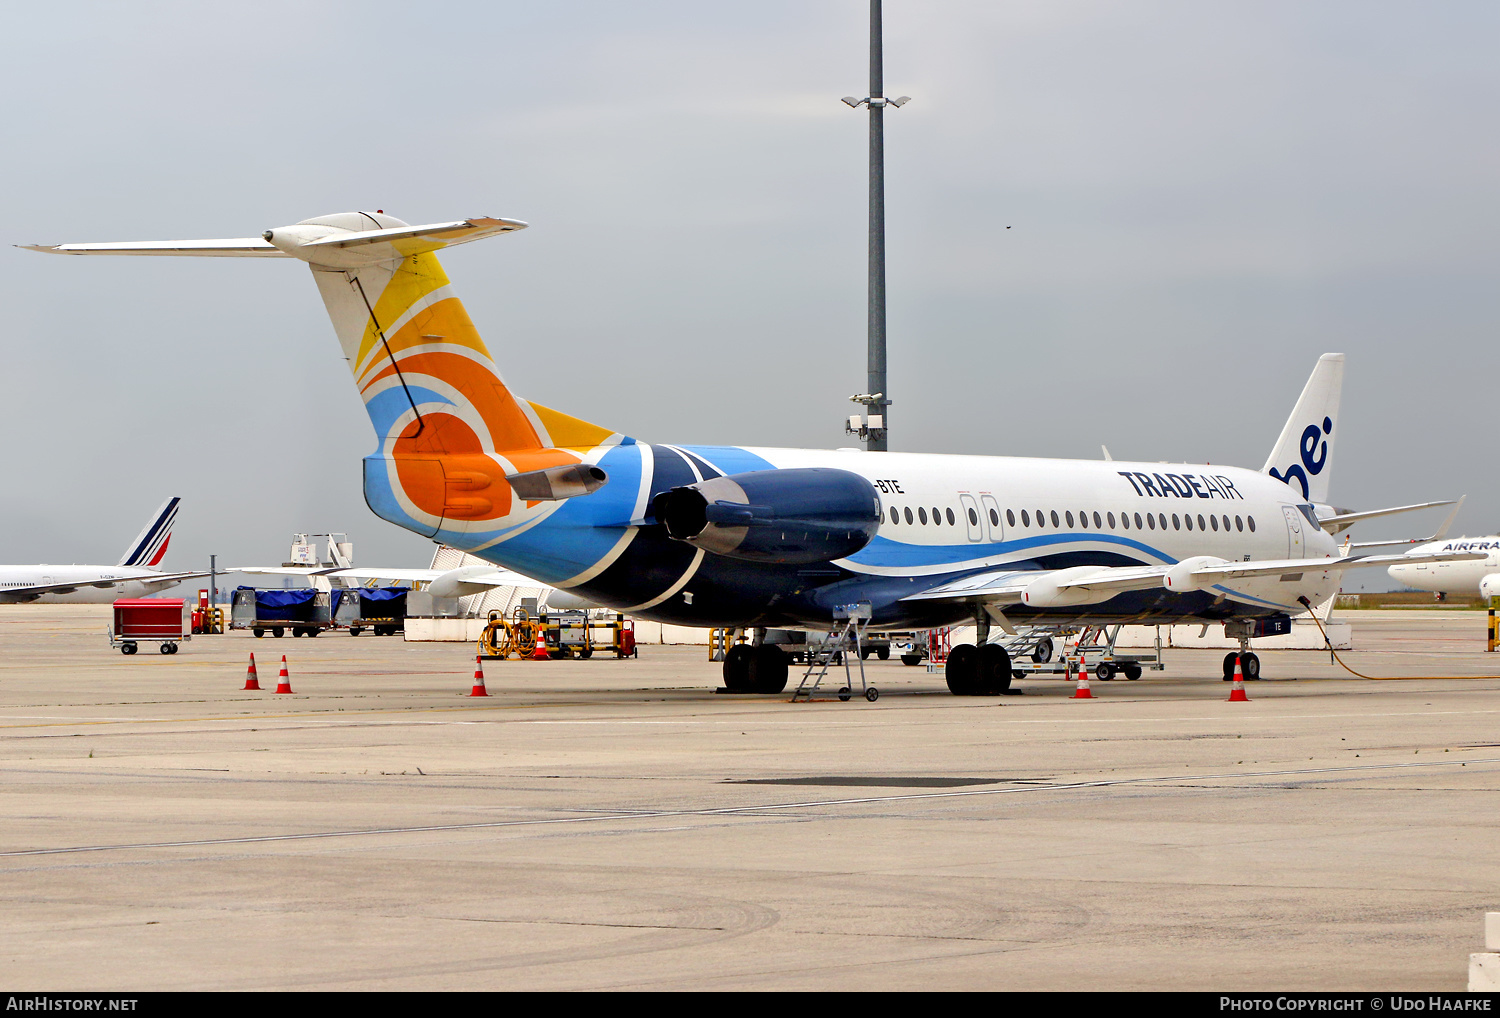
[(1092, 584), (1008, 586), (28, 593)]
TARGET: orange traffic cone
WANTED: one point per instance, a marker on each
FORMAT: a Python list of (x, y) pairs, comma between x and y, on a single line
[(1082, 692), (540, 653), (1237, 693), (252, 680), (478, 689), (283, 681)]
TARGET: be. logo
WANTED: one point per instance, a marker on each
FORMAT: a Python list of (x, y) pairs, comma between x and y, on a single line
[(1314, 449)]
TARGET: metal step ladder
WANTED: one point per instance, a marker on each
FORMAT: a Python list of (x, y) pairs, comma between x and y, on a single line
[(855, 618)]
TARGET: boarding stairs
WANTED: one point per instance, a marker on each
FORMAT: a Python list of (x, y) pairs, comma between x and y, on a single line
[(838, 646)]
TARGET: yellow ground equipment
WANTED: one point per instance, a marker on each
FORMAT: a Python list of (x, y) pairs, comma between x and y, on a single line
[(560, 634)]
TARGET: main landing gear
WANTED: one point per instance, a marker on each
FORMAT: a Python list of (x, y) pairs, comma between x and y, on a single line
[(982, 670), (749, 668)]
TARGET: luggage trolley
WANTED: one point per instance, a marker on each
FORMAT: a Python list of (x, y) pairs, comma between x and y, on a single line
[(141, 620)]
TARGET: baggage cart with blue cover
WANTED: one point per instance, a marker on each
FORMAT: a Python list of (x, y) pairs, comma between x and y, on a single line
[(305, 611), (379, 609)]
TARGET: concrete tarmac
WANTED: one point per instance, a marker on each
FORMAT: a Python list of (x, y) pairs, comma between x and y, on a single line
[(617, 825)]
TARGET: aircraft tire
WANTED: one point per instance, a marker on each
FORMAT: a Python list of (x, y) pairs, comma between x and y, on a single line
[(1043, 652), (737, 668), (767, 669), (1251, 667), (1229, 665), (962, 670), (994, 670)]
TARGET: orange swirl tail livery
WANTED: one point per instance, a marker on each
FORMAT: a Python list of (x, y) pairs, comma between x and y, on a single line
[(458, 454)]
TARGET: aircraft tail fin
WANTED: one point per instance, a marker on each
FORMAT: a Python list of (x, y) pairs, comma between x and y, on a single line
[(150, 545), (451, 435), (1302, 455)]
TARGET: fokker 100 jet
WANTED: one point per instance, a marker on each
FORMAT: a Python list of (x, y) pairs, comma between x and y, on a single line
[(135, 575), (793, 538)]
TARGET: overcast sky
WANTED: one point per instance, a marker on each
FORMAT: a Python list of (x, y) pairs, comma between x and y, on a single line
[(1201, 198)]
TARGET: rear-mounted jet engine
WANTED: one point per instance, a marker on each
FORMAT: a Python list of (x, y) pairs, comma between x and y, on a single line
[(791, 517)]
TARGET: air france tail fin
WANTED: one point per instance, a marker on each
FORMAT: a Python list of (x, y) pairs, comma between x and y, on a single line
[(150, 545), (1302, 454)]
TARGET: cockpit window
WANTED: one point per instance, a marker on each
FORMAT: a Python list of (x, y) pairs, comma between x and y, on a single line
[(1312, 517)]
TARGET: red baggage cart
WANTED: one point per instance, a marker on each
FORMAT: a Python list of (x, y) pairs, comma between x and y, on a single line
[(146, 619)]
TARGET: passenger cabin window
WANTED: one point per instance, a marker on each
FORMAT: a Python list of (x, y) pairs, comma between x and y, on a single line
[(1239, 524), (1099, 523), (1251, 520), (1025, 519), (922, 515), (1069, 518), (1201, 524), (1176, 523), (1055, 521), (908, 514), (1162, 517), (973, 518), (952, 520), (1138, 523), (1189, 521), (1226, 523), (1010, 517), (994, 518), (1151, 521), (895, 515), (1214, 521)]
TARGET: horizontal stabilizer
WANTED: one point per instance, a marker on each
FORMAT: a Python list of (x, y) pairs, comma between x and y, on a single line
[(239, 247), (437, 235), (1333, 524)]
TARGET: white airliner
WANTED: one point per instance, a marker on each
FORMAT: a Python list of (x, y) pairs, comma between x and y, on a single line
[(134, 575), (793, 538), (1479, 576)]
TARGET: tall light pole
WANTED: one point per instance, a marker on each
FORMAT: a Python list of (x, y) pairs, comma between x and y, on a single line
[(876, 426)]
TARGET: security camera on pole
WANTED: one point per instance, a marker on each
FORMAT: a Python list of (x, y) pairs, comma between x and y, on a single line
[(874, 427)]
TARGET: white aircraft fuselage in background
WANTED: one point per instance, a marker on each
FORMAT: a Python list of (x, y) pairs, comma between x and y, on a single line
[(134, 575), (1476, 577)]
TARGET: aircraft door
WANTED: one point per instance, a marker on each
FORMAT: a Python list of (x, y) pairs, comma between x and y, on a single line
[(1294, 548), (971, 518), (992, 519)]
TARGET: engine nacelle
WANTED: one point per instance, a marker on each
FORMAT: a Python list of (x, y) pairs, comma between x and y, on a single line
[(792, 517), (1489, 586)]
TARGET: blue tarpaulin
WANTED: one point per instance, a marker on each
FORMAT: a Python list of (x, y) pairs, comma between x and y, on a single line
[(284, 605)]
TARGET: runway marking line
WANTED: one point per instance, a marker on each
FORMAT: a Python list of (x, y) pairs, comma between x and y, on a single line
[(764, 809)]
